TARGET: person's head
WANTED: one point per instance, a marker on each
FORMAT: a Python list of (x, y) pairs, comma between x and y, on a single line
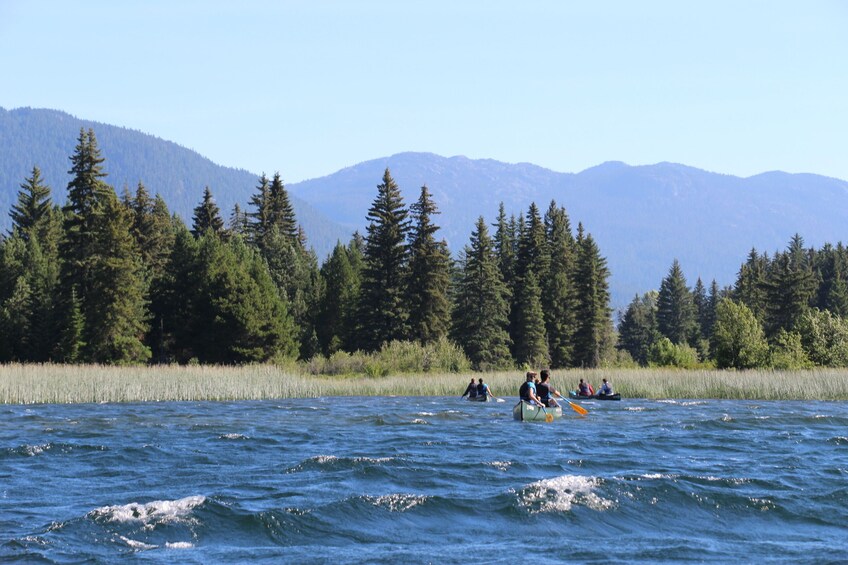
[(604, 380), (530, 376), (545, 374), (581, 381), (480, 381)]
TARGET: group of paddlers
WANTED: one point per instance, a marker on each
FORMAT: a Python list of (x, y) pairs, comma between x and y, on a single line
[(478, 391), (536, 389)]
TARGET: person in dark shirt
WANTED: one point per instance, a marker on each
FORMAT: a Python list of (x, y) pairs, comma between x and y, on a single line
[(546, 392), (470, 390)]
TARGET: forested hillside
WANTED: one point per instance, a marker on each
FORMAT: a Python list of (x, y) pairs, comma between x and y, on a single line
[(45, 138)]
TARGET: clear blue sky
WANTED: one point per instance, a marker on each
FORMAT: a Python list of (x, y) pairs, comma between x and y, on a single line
[(309, 87)]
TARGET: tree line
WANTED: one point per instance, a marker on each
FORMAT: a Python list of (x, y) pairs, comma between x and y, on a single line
[(119, 279), (785, 311)]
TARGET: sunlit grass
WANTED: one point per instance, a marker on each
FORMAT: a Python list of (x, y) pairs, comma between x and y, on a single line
[(27, 384)]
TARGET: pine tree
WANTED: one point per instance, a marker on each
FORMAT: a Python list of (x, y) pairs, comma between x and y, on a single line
[(116, 310), (429, 275), (638, 331), (506, 245), (557, 290), (749, 283), (532, 346), (383, 313), (676, 318), (592, 294), (259, 220), (336, 318), (207, 216), (280, 210), (789, 286), (239, 315), (34, 207), (482, 306), (78, 251), (238, 223)]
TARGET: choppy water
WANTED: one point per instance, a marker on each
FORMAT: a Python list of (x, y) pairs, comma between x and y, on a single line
[(416, 480)]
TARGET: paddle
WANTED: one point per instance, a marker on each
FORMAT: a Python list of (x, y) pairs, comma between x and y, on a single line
[(577, 408)]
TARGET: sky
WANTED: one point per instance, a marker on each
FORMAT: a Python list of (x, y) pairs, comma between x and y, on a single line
[(309, 87)]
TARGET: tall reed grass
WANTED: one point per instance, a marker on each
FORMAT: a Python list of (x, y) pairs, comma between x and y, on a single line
[(28, 384)]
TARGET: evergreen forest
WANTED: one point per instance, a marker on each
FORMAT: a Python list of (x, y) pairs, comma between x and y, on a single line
[(118, 279)]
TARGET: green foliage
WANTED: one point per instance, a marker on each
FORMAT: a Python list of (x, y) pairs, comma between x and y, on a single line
[(787, 352), (482, 305), (558, 293), (638, 329), (665, 353), (531, 347), (207, 216), (382, 312), (429, 275), (337, 312), (396, 357), (239, 316), (738, 341), (592, 294), (824, 337), (676, 315), (789, 287)]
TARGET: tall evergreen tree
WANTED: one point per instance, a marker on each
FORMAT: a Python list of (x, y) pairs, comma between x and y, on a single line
[(383, 313), (532, 345), (749, 283), (506, 244), (78, 251), (789, 287), (592, 293), (637, 331), (676, 317), (33, 208), (280, 210), (116, 310), (207, 216), (260, 217), (238, 223), (557, 289), (429, 275), (531, 256), (482, 308), (337, 314)]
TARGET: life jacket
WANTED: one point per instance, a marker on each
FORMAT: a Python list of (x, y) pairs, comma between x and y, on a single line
[(524, 391), (471, 391), (481, 389), (543, 391), (591, 390), (584, 390)]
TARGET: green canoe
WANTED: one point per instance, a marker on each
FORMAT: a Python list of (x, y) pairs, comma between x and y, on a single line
[(529, 413)]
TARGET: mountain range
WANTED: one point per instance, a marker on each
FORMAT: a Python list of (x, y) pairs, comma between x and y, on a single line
[(643, 217)]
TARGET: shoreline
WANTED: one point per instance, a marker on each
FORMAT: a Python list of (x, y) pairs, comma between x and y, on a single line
[(76, 384)]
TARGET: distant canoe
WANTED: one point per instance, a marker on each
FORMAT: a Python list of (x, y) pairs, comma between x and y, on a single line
[(573, 394), (484, 398), (527, 412)]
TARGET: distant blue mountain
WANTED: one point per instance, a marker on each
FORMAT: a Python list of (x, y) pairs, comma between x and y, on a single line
[(642, 217), (47, 138)]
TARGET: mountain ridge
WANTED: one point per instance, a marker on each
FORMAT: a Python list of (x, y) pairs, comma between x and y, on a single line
[(643, 216)]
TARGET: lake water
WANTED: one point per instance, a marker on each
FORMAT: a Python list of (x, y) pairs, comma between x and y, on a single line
[(423, 480)]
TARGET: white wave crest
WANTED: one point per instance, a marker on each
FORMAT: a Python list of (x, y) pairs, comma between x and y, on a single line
[(179, 545), (500, 465), (397, 502), (137, 545), (156, 512), (635, 408), (233, 436), (419, 421), (561, 493)]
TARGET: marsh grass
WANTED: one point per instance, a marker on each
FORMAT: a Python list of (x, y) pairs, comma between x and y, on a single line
[(28, 384)]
